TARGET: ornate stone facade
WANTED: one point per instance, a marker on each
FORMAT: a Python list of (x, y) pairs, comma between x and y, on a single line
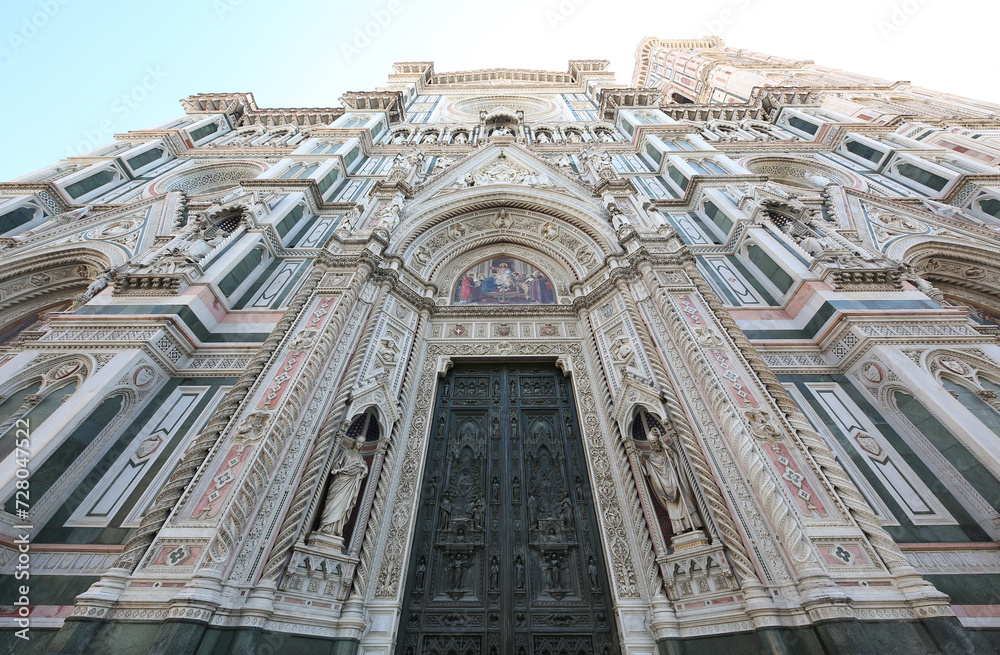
[(771, 288)]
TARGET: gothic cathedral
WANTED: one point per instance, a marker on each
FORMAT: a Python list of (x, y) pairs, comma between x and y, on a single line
[(512, 362)]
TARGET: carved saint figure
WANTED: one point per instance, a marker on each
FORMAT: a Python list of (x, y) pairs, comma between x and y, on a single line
[(670, 486), (343, 493)]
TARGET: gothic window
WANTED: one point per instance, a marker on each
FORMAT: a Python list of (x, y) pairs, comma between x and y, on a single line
[(204, 131), (986, 204), (930, 428), (37, 411), (48, 472), (77, 190), (246, 269), (864, 151), (921, 176), (18, 217), (718, 217), (503, 280), (326, 147), (803, 125), (770, 271), (145, 158), (677, 177), (974, 402), (706, 167), (328, 181), (139, 457), (290, 220), (299, 171)]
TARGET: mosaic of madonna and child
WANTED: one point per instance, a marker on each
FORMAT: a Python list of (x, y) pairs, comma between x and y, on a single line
[(503, 281)]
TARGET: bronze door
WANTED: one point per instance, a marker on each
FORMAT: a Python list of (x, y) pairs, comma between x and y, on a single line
[(506, 558)]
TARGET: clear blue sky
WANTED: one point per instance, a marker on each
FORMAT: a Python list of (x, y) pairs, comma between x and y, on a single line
[(75, 72)]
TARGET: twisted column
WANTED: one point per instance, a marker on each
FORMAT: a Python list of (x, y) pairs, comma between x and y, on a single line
[(227, 412), (816, 450), (330, 435)]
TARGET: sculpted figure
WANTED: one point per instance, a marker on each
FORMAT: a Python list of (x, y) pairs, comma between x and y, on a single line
[(670, 486), (343, 493)]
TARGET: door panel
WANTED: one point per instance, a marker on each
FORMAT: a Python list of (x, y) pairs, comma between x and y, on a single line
[(506, 557)]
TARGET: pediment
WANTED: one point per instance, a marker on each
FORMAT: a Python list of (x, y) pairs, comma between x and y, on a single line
[(506, 165)]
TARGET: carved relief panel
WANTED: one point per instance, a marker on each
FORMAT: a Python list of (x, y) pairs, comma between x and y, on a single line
[(506, 557)]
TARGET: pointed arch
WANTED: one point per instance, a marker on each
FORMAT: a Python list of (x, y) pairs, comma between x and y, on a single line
[(36, 282), (964, 273)]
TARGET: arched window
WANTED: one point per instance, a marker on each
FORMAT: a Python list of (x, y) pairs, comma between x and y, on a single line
[(986, 414), (292, 172), (54, 466), (941, 438), (37, 411)]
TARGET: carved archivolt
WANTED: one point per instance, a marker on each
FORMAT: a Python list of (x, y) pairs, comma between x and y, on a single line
[(571, 253)]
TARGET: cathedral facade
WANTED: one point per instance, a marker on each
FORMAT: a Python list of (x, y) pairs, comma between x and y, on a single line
[(512, 362)]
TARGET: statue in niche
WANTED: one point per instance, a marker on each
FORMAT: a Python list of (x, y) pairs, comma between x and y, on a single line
[(669, 485), (461, 138), (566, 512), (421, 570), (532, 511), (543, 138), (390, 214), (518, 572), (494, 573), (479, 512), (445, 512), (344, 489), (501, 131), (399, 139)]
